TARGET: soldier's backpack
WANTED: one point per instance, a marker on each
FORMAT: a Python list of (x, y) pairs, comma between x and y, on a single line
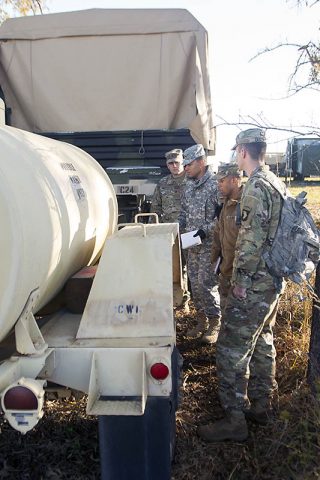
[(294, 249)]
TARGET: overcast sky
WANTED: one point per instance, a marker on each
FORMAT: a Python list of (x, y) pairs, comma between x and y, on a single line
[(238, 30)]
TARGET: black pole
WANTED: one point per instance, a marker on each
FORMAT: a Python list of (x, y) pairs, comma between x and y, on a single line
[(313, 375)]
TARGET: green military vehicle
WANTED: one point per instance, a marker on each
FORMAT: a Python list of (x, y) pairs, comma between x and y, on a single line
[(303, 157), (124, 85)]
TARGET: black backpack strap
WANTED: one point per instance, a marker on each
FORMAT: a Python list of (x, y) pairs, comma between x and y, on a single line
[(238, 214)]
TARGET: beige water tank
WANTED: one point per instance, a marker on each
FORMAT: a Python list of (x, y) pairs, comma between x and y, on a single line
[(57, 206)]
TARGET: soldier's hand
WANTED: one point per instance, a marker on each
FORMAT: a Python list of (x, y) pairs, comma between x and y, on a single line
[(239, 292), (200, 233)]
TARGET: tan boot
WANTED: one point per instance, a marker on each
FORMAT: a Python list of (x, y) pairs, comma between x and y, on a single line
[(211, 335), (260, 411), (200, 327), (232, 427)]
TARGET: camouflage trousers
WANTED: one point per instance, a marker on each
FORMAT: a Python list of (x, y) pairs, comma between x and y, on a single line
[(204, 286), (245, 355)]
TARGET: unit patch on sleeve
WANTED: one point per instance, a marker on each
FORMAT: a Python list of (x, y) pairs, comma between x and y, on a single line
[(245, 214)]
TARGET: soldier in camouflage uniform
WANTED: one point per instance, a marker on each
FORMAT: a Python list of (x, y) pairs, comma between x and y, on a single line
[(198, 213), (166, 203), (166, 200), (226, 229), (245, 350)]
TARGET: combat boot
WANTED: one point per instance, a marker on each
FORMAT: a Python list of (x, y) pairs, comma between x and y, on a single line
[(211, 335), (232, 427), (260, 411), (200, 327)]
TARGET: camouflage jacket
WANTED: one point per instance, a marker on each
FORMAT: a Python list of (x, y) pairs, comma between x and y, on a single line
[(260, 214), (198, 207), (166, 200), (225, 233)]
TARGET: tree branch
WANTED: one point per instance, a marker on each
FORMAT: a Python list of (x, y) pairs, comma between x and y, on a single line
[(262, 123)]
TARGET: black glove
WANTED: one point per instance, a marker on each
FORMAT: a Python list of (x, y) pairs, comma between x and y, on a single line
[(200, 233), (217, 210)]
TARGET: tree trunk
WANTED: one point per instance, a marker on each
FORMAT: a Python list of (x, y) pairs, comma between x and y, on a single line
[(314, 349)]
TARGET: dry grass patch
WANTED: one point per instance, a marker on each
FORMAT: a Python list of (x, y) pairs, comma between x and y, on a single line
[(289, 447)]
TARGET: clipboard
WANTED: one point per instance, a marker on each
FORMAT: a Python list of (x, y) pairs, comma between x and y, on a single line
[(188, 240)]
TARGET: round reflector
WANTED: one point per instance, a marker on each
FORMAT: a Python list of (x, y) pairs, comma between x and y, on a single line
[(159, 371), (20, 398)]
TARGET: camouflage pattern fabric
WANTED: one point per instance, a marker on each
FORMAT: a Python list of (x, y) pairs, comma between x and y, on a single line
[(245, 350), (260, 212), (166, 200), (193, 153), (198, 211), (295, 248), (245, 354), (251, 135), (204, 286), (198, 208)]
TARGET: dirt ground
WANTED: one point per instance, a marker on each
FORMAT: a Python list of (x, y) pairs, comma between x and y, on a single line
[(64, 445), (65, 442)]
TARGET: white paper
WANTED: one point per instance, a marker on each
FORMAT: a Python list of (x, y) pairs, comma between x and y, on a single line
[(216, 265), (188, 240)]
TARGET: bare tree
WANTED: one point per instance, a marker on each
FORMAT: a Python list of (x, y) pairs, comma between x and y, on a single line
[(306, 72), (10, 8), (305, 75)]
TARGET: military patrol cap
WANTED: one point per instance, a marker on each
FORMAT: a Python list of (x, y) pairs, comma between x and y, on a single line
[(228, 169), (175, 155), (193, 153), (252, 135)]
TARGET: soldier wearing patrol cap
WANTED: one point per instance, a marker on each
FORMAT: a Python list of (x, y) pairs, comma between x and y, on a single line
[(252, 135), (225, 231), (166, 202), (245, 354), (198, 213)]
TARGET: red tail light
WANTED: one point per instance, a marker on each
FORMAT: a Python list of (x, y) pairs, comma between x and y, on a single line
[(159, 371), (20, 398)]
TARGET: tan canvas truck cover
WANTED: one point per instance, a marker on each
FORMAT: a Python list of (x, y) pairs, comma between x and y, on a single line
[(107, 70)]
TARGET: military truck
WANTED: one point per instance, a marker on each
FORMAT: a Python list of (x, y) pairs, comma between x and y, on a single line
[(276, 162), (303, 157), (124, 85)]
